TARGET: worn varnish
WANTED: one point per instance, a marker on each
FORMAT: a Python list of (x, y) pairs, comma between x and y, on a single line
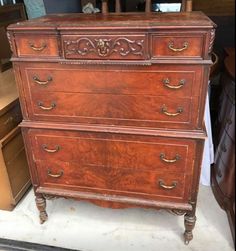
[(113, 107)]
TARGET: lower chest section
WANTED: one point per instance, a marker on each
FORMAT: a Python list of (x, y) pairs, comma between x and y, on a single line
[(146, 167)]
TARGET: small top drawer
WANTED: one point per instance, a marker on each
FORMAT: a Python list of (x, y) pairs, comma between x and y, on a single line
[(37, 46), (120, 47), (174, 45)]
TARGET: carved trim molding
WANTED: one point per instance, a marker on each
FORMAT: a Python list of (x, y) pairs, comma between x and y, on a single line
[(104, 47), (10, 40), (177, 212), (212, 39)]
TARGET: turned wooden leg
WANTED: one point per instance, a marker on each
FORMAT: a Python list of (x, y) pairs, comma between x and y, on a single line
[(189, 222), (41, 205)]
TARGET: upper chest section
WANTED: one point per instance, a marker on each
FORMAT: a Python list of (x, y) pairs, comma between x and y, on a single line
[(114, 37)]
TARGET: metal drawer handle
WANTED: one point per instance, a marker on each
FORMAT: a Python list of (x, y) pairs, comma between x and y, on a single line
[(55, 175), (229, 121), (223, 148), (171, 47), (166, 82), (35, 48), (40, 105), (46, 149), (165, 111), (40, 82), (163, 158), (8, 121), (171, 187)]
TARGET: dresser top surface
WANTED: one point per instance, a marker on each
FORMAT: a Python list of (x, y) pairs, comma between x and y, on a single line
[(123, 20)]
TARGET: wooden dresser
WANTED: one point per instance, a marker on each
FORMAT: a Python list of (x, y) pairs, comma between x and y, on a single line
[(223, 172), (14, 172), (113, 107)]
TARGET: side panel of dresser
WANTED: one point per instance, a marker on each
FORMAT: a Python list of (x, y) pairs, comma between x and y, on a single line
[(14, 173)]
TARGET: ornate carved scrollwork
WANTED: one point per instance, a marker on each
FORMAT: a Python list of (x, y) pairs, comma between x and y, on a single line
[(177, 212), (104, 47), (9, 40), (50, 197), (212, 38)]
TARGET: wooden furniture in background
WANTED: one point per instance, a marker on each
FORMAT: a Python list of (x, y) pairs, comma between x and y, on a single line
[(113, 113), (215, 7), (8, 14), (14, 173), (186, 6), (223, 172)]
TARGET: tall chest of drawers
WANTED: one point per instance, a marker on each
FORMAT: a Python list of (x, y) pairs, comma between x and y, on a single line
[(113, 107)]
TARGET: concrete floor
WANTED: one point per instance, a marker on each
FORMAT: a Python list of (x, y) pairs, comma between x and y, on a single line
[(86, 227)]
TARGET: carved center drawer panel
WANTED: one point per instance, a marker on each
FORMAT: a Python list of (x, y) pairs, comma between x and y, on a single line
[(105, 46), (100, 161), (37, 46)]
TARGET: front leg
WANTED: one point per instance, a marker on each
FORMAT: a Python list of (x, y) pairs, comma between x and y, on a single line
[(189, 222), (41, 205)]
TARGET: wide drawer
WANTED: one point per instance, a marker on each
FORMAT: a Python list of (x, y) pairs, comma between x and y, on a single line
[(177, 45), (181, 81), (134, 110), (37, 46), (161, 167), (10, 120), (122, 47)]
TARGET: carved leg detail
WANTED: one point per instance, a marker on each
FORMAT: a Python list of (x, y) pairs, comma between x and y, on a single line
[(189, 222), (41, 205)]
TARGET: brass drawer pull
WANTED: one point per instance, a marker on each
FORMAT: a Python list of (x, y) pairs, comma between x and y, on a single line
[(171, 47), (35, 48), (40, 82), (166, 82), (40, 105), (171, 187), (163, 158), (55, 175), (46, 149), (165, 111)]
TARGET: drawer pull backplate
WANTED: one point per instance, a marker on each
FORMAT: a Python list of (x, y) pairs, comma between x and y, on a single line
[(171, 187), (36, 48), (40, 82), (40, 105), (165, 111), (163, 158), (46, 149), (171, 47), (166, 82), (55, 175)]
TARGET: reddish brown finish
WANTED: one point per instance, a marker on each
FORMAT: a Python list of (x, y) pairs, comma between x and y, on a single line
[(115, 115), (37, 46), (176, 45), (108, 46)]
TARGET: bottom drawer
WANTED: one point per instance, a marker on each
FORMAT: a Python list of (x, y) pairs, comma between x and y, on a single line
[(108, 179), (132, 165)]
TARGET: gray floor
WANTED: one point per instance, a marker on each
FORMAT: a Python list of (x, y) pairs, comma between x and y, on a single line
[(83, 226)]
